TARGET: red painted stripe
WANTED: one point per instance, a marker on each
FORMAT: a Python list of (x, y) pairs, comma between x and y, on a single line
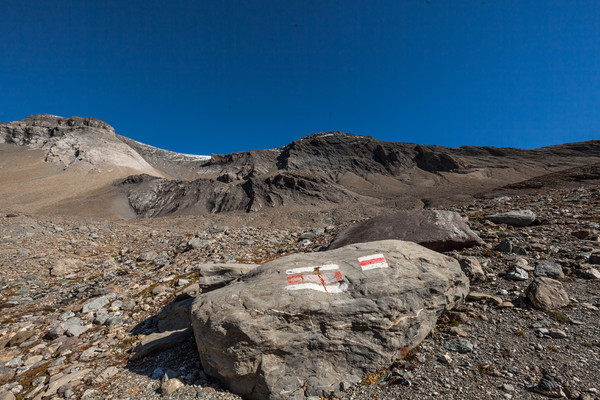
[(372, 261), (325, 278)]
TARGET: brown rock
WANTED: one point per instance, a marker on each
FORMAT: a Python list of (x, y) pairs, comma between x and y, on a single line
[(547, 294), (20, 337), (582, 234), (6, 395), (6, 375), (477, 296), (472, 268), (171, 386), (65, 267)]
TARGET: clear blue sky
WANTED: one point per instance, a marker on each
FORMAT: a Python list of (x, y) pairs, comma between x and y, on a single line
[(202, 76)]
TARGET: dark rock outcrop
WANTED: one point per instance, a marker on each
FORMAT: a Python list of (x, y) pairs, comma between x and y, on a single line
[(150, 196), (434, 229)]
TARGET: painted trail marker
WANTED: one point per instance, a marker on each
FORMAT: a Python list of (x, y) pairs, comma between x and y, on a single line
[(373, 262), (323, 278)]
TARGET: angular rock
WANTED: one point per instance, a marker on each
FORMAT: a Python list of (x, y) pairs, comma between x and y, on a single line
[(582, 234), (20, 337), (476, 296), (514, 218), (6, 395), (459, 345), (6, 374), (434, 229), (505, 246), (65, 267), (213, 276), (73, 327), (158, 342), (472, 268), (595, 258), (171, 386), (106, 374), (548, 269), (305, 323), (590, 273), (94, 304), (517, 274), (175, 316), (547, 294), (549, 387), (147, 256), (66, 379)]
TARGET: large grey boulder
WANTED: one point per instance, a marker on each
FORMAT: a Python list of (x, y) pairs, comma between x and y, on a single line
[(435, 229), (301, 325)]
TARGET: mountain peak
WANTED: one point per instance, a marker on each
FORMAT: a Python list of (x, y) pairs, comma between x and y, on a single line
[(55, 121)]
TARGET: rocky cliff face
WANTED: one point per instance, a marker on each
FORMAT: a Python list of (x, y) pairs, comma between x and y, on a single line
[(74, 140)]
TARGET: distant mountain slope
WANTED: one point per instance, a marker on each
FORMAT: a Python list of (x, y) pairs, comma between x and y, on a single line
[(356, 168), (54, 164), (176, 165), (80, 166)]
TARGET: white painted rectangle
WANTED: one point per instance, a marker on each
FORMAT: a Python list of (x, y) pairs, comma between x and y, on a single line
[(327, 267), (373, 261), (337, 288)]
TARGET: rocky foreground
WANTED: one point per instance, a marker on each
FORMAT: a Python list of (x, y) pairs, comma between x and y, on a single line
[(93, 309)]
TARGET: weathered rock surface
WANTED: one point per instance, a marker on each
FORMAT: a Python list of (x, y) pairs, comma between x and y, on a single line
[(548, 269), (213, 276), (547, 294), (65, 266), (472, 268), (175, 316), (6, 395), (437, 230), (301, 325), (514, 218), (158, 342)]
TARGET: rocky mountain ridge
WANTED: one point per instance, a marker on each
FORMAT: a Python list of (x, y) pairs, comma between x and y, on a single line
[(331, 170), (322, 171)]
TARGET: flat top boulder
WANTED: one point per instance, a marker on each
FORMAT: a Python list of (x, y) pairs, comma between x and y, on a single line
[(435, 229), (514, 218), (302, 324)]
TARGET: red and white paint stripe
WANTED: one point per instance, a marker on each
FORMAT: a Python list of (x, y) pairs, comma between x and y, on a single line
[(322, 278), (326, 267), (373, 261)]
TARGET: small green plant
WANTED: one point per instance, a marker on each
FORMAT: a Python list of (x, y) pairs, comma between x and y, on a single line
[(559, 317), (485, 369)]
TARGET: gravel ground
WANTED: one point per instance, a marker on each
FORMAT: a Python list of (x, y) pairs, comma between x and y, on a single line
[(107, 282)]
